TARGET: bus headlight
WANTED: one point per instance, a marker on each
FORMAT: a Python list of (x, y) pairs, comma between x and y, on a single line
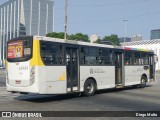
[(32, 76)]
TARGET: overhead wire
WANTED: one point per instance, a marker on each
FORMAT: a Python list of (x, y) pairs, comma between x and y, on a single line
[(114, 19), (107, 4), (110, 4)]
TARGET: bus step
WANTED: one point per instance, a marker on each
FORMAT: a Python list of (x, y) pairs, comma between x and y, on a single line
[(119, 86)]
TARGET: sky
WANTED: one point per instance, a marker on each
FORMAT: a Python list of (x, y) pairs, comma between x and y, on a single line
[(105, 17)]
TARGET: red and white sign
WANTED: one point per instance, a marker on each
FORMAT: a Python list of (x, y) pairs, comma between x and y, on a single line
[(15, 49)]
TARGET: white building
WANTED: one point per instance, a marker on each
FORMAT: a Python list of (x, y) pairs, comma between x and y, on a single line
[(147, 44), (94, 38), (136, 38)]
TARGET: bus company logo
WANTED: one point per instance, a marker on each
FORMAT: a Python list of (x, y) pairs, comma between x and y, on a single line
[(6, 114), (91, 71)]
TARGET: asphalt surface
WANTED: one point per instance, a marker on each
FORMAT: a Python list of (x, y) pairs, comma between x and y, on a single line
[(126, 99), (2, 78)]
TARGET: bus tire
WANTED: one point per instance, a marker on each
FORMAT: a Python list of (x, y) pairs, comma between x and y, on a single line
[(143, 82), (89, 87)]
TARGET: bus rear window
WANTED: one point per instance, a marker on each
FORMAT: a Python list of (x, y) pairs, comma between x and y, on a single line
[(19, 50)]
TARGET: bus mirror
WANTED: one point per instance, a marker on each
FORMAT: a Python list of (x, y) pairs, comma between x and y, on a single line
[(155, 58)]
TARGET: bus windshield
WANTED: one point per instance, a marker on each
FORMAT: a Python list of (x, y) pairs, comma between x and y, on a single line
[(19, 49)]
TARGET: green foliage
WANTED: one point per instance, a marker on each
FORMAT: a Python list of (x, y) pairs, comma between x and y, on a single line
[(77, 36), (84, 37), (113, 39), (98, 41), (56, 35)]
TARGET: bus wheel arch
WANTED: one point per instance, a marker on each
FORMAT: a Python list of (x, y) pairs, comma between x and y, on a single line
[(143, 81), (90, 86)]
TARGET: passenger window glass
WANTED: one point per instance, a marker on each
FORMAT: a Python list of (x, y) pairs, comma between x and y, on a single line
[(105, 57), (144, 58), (137, 60), (128, 58), (51, 53), (88, 56)]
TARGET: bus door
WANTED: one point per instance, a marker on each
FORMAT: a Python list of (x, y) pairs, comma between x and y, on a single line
[(118, 68), (152, 67), (72, 68)]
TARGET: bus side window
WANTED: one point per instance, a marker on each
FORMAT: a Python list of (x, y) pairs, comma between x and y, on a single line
[(144, 58), (101, 59), (137, 60), (82, 58), (88, 55), (52, 53), (61, 59), (128, 60), (105, 57)]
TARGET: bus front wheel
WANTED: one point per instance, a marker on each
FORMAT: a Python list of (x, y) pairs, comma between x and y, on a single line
[(143, 82), (89, 87)]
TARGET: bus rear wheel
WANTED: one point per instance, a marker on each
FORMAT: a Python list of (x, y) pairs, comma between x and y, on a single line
[(89, 87), (143, 82)]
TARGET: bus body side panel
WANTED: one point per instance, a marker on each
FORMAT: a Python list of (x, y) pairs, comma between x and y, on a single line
[(104, 76), (52, 80), (133, 74)]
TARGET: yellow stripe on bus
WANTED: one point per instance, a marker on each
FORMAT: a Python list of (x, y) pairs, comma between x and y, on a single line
[(6, 65), (36, 59), (63, 76)]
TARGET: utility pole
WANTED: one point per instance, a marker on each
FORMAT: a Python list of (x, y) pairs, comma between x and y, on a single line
[(125, 31), (66, 16)]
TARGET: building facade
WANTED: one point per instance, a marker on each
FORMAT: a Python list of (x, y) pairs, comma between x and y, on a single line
[(155, 34), (147, 44), (127, 39), (136, 38), (24, 17), (94, 38)]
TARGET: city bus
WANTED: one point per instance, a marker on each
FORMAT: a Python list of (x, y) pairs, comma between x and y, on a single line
[(43, 65)]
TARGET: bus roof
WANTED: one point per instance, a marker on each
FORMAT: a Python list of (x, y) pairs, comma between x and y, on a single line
[(88, 44), (75, 42)]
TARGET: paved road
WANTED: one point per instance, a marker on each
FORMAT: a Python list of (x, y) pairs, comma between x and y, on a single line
[(2, 78), (127, 99)]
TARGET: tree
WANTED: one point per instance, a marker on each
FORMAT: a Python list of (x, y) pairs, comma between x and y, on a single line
[(113, 39), (56, 35), (77, 36), (98, 41)]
